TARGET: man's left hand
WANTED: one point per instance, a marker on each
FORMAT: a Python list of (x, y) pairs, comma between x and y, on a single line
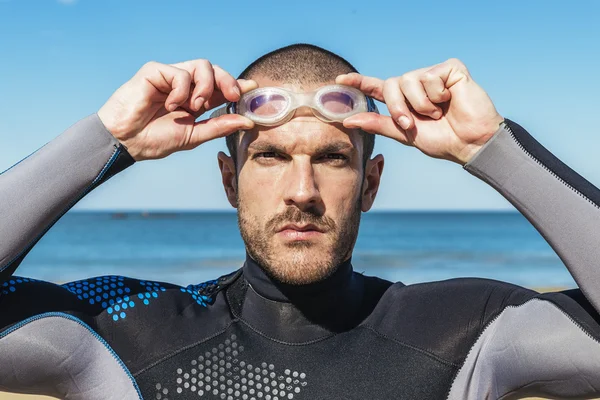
[(440, 110)]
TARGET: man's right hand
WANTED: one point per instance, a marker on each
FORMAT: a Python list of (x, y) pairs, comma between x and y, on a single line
[(154, 113)]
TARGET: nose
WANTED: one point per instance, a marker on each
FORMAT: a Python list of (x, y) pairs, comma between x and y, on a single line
[(301, 189)]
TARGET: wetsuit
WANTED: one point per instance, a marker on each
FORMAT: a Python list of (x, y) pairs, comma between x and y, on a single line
[(244, 336)]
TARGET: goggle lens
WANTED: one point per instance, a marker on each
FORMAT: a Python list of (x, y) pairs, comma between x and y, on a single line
[(267, 105), (337, 102)]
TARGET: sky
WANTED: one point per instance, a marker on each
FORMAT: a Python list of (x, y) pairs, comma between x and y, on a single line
[(538, 60)]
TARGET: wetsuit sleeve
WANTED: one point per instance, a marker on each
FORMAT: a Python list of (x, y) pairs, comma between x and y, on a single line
[(561, 205), (38, 190), (533, 344)]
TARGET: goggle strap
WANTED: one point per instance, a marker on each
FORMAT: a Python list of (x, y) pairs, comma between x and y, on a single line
[(219, 112)]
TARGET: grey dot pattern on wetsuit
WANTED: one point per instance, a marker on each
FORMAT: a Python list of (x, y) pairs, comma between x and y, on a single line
[(220, 372)]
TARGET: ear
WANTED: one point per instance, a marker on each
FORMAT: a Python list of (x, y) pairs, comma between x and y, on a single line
[(229, 177), (373, 171)]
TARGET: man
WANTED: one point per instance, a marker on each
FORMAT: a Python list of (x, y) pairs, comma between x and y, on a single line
[(295, 322)]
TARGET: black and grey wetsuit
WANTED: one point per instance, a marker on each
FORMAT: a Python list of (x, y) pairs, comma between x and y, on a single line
[(243, 336)]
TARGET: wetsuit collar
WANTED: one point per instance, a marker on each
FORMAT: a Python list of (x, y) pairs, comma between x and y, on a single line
[(338, 284), (299, 313)]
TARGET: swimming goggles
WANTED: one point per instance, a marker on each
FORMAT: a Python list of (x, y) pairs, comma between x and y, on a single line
[(270, 106)]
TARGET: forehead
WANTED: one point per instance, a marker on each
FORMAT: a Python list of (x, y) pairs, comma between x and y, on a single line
[(304, 130), (265, 81)]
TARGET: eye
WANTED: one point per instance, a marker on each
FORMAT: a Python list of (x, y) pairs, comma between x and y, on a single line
[(334, 156), (268, 154), (334, 159), (268, 158)]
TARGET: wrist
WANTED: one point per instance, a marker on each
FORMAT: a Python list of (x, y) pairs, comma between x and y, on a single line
[(469, 150), (117, 133)]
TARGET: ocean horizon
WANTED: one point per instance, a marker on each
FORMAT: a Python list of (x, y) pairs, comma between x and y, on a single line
[(191, 246)]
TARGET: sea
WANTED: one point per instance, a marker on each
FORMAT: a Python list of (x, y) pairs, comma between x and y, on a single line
[(192, 247)]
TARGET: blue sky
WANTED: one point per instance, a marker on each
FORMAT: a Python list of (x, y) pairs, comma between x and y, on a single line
[(538, 60)]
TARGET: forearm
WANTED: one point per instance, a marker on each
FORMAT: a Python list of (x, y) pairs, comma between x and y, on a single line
[(560, 204), (36, 192)]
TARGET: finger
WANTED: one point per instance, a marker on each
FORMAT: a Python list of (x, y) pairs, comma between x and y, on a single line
[(378, 124), (435, 87), (415, 94), (218, 98), (396, 104), (213, 128), (372, 87), (169, 80), (227, 84), (450, 72), (204, 81)]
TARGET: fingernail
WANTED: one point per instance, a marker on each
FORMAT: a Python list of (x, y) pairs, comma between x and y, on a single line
[(237, 91), (246, 123), (404, 122), (437, 114), (199, 102), (172, 107)]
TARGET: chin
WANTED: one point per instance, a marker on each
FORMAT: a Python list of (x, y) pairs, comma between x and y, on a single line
[(300, 263)]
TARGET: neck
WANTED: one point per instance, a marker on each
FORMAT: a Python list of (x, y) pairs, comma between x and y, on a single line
[(331, 303), (273, 289)]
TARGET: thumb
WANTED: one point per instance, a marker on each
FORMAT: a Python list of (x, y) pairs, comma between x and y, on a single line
[(213, 128), (377, 124)]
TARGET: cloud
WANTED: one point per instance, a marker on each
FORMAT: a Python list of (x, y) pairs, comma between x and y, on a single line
[(67, 2)]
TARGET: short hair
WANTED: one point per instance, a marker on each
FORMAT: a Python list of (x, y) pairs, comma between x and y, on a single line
[(300, 63)]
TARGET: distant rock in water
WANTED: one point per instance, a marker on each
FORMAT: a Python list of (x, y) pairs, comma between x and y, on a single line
[(147, 214), (144, 214)]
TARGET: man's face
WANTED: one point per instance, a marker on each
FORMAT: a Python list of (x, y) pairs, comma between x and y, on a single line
[(299, 194)]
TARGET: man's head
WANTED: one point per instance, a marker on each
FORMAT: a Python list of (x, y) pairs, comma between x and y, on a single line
[(300, 187)]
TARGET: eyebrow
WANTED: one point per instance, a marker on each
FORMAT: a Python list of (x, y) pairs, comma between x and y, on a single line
[(274, 148)]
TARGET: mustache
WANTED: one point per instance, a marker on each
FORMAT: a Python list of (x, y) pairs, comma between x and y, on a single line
[(296, 216)]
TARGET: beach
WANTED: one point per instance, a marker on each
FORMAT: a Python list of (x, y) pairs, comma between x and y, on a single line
[(195, 247)]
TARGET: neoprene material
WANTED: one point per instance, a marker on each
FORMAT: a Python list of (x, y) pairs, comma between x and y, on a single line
[(245, 336)]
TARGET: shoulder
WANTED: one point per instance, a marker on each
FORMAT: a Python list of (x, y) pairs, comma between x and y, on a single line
[(457, 294), (97, 298), (443, 317)]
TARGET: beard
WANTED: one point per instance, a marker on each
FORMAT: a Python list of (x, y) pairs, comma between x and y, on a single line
[(299, 262)]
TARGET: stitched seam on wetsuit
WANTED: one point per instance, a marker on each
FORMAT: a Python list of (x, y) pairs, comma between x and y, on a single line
[(23, 159), (581, 324), (319, 339), (110, 161), (96, 335), (566, 314), (549, 170), (573, 319), (239, 318), (418, 349), (541, 164), (182, 349)]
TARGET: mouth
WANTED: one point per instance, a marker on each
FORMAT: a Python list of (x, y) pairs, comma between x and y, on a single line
[(300, 232)]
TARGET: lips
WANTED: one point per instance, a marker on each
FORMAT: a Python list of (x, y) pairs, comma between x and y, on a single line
[(300, 232), (300, 228)]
